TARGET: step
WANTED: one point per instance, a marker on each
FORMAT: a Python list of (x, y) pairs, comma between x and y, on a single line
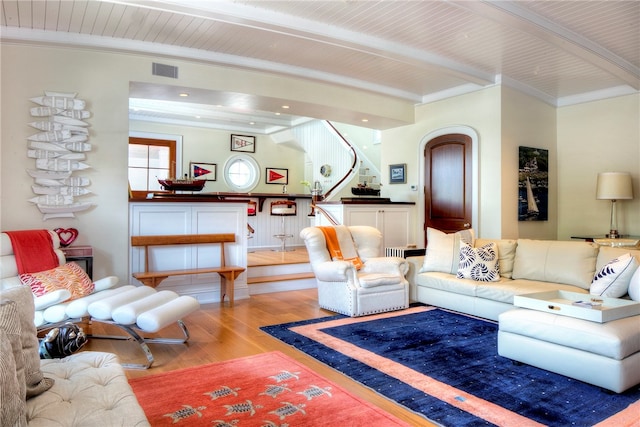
[(279, 278)]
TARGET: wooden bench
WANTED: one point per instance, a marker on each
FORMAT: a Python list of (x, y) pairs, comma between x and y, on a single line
[(228, 273)]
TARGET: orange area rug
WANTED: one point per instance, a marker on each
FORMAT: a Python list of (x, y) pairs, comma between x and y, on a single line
[(268, 389)]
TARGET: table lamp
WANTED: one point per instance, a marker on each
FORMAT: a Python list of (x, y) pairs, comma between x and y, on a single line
[(614, 186)]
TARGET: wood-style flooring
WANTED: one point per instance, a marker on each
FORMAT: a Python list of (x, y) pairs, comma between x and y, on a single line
[(219, 332)]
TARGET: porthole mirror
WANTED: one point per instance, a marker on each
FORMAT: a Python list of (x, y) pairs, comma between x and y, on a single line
[(241, 173)]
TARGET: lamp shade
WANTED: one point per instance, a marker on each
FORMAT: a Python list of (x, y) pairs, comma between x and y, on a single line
[(614, 186)]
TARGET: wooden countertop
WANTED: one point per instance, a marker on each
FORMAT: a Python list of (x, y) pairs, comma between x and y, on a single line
[(218, 197), (365, 201)]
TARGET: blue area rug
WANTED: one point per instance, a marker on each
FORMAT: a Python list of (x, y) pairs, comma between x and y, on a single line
[(446, 367)]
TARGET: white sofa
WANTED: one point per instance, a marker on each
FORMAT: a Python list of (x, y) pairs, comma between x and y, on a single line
[(526, 266), (604, 354)]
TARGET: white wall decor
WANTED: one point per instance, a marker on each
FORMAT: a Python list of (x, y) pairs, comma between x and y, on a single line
[(59, 149)]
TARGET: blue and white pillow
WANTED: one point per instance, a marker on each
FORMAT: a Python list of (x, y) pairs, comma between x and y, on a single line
[(480, 264), (613, 279)]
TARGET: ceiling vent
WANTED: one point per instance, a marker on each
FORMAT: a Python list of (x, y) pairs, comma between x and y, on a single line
[(165, 70)]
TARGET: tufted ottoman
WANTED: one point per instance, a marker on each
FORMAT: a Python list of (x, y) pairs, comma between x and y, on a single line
[(602, 354), (90, 389)]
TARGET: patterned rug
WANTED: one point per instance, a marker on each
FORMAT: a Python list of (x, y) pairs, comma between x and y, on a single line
[(268, 389), (445, 366)]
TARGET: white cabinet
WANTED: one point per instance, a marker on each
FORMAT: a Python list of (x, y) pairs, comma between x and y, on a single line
[(395, 220), (157, 218)]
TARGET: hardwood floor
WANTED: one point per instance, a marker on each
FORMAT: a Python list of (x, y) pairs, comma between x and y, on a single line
[(221, 333), (268, 257)]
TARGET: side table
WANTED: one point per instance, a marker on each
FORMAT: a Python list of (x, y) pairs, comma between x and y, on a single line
[(80, 253)]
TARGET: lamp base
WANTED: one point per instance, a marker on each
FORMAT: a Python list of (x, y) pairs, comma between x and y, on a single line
[(613, 234)]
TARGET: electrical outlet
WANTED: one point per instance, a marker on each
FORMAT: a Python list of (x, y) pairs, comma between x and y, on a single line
[(414, 188)]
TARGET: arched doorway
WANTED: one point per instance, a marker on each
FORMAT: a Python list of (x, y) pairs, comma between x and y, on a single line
[(449, 170)]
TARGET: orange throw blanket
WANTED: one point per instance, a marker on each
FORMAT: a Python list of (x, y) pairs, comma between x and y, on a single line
[(33, 250), (333, 245)]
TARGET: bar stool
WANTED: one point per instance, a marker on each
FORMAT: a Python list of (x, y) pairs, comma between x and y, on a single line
[(283, 208)]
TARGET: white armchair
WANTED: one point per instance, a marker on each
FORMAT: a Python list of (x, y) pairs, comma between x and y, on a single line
[(379, 286)]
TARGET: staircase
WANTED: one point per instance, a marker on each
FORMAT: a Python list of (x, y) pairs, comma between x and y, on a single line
[(271, 271)]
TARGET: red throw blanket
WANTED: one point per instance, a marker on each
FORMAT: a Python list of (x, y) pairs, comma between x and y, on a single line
[(333, 246), (33, 250)]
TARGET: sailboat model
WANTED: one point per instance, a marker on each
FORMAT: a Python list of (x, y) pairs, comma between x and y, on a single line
[(532, 206)]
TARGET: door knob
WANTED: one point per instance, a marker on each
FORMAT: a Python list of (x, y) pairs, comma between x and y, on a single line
[(466, 225)]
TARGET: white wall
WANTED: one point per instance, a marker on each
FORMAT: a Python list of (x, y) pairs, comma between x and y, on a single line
[(526, 122), (592, 137), (597, 137), (103, 80), (213, 146), (479, 111)]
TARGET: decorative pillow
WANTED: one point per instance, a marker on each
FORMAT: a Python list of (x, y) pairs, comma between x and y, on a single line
[(480, 264), (443, 250), (12, 382), (613, 278), (34, 379), (634, 285), (67, 276)]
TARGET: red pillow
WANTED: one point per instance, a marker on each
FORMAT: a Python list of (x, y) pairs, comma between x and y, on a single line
[(68, 276)]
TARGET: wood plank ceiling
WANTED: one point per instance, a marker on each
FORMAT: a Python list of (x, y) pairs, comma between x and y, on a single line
[(562, 52)]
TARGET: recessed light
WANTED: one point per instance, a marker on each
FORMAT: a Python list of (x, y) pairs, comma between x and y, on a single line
[(285, 107), (198, 117), (252, 123), (277, 114), (184, 94), (365, 120)]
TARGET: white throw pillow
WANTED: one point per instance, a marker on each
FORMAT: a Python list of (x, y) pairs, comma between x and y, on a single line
[(613, 278), (443, 250), (634, 285), (479, 264)]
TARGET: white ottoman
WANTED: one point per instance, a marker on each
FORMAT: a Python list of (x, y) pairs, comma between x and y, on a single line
[(603, 354)]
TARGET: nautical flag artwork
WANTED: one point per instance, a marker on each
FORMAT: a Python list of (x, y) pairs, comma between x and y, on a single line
[(277, 176), (205, 171)]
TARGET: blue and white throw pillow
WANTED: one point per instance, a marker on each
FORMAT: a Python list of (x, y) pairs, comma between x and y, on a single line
[(613, 279), (480, 264)]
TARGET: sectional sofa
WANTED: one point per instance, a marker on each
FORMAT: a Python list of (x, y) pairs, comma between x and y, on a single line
[(481, 277), (525, 266)]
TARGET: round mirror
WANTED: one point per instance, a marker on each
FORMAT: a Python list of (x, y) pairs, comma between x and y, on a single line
[(241, 173)]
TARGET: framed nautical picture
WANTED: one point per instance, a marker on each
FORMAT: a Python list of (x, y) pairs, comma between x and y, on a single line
[(533, 184), (277, 176), (398, 174), (243, 143), (206, 171)]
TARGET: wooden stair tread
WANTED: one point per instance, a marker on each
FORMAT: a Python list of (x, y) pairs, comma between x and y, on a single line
[(279, 278)]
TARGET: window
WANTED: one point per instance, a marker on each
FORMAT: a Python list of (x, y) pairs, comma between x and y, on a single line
[(150, 160), (241, 173)]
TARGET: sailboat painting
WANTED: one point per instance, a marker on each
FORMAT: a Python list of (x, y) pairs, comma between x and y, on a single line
[(533, 184)]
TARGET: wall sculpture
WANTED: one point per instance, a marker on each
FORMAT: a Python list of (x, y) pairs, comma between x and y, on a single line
[(59, 150)]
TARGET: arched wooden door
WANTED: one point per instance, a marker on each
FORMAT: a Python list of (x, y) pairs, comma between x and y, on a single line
[(448, 183)]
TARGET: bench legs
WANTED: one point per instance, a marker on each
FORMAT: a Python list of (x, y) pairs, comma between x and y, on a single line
[(227, 285)]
